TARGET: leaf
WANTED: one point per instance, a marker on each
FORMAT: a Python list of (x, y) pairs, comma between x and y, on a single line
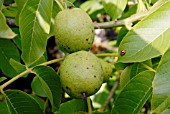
[(10, 11), (20, 5), (131, 71), (161, 86), (1, 4), (7, 51), (17, 39), (51, 85), (5, 31), (167, 111), (2, 79), (55, 11), (134, 95), (19, 102), (149, 38), (73, 106), (114, 8), (17, 66), (34, 22), (40, 102), (91, 6), (4, 108), (125, 76), (37, 87)]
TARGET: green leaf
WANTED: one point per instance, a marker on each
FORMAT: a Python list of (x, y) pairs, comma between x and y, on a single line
[(122, 33), (131, 71), (5, 31), (7, 51), (34, 22), (167, 111), (10, 11), (55, 11), (91, 6), (40, 102), (4, 108), (19, 102), (17, 66), (161, 86), (114, 8), (1, 4), (149, 38), (125, 76), (134, 95), (20, 5), (37, 87), (73, 106), (17, 39), (2, 79), (51, 85)]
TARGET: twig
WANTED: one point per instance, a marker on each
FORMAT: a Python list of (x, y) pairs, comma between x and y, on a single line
[(110, 95), (26, 72), (89, 105), (148, 67), (126, 21)]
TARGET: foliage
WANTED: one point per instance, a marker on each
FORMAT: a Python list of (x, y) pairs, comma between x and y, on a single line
[(141, 65)]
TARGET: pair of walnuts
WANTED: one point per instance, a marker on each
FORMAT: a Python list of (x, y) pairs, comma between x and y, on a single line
[(81, 73)]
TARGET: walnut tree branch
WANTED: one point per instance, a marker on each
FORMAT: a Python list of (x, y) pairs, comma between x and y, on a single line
[(125, 21), (110, 95)]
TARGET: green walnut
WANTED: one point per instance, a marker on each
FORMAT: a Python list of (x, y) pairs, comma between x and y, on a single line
[(81, 74), (74, 30), (107, 69)]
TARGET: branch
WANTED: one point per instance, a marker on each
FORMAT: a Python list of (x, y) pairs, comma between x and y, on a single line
[(148, 67), (26, 72), (125, 21), (110, 95)]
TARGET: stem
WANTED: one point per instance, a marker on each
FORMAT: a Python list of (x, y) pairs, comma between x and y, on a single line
[(107, 54), (148, 67), (89, 105), (110, 95), (125, 21), (14, 78), (59, 4), (52, 61), (26, 72)]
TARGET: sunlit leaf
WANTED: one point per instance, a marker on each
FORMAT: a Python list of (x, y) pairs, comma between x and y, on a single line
[(20, 5), (5, 31), (55, 10), (19, 102), (34, 22), (161, 86), (8, 50), (73, 106), (149, 38), (134, 95), (51, 85), (114, 8)]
